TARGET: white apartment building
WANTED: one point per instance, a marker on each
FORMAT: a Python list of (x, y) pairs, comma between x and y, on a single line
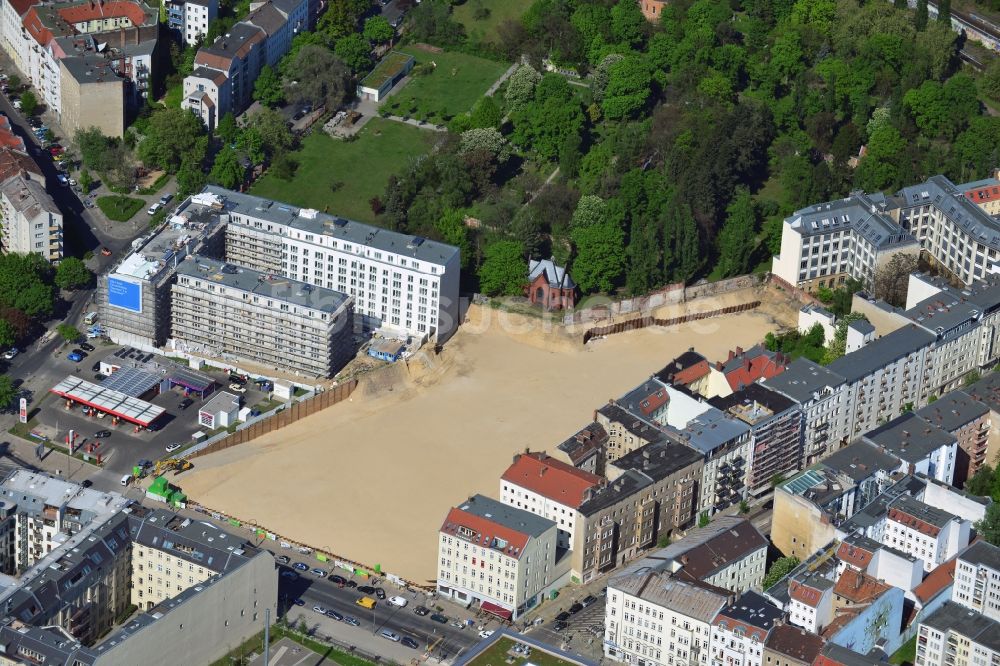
[(821, 396), (191, 18), (740, 630), (31, 220), (881, 562), (501, 558), (924, 531), (810, 601), (404, 284), (825, 244), (655, 619), (549, 488), (977, 579), (922, 447), (955, 636), (238, 314)]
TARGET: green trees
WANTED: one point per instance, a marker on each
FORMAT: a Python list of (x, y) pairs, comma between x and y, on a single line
[(26, 284), (944, 12), (172, 136), (267, 88), (377, 30), (320, 78), (989, 527), (628, 89), (29, 103), (8, 336), (68, 332), (943, 110), (521, 88), (920, 17), (355, 52), (227, 170), (779, 569), (738, 238), (72, 274), (503, 271), (596, 232), (7, 391), (880, 167), (552, 114)]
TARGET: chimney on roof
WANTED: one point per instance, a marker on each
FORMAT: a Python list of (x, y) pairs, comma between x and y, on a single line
[(857, 582), (542, 471)]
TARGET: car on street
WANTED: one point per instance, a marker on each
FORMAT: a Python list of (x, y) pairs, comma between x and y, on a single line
[(397, 601), (437, 617), (588, 600), (283, 559), (560, 625), (237, 388), (335, 615), (82, 353), (298, 115), (391, 635), (63, 179), (562, 617), (366, 589), (298, 602), (185, 403), (11, 353), (421, 611), (485, 634), (320, 609), (300, 566), (575, 608), (380, 593), (353, 621), (338, 579), (410, 643), (96, 367), (105, 252), (319, 573), (152, 209), (102, 433), (290, 575), (165, 199), (86, 346), (173, 447), (350, 584), (56, 149), (73, 356)]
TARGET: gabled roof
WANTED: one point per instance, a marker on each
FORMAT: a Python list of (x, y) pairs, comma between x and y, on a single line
[(557, 276), (859, 587), (909, 437), (858, 551), (953, 410), (752, 612), (585, 442), (795, 643), (938, 580), (743, 368), (92, 11), (983, 554), (491, 524), (685, 369), (553, 479)]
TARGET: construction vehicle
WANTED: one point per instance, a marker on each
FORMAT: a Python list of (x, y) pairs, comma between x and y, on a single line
[(177, 464)]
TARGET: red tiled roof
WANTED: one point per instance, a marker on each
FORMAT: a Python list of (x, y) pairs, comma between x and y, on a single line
[(745, 367), (805, 594), (913, 522), (33, 24), (14, 162), (941, 577), (654, 401), (858, 587), (855, 555), (90, 11), (7, 137), (21, 6), (484, 532), (691, 373), (747, 630), (551, 478)]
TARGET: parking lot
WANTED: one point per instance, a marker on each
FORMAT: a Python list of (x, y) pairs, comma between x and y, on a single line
[(124, 444)]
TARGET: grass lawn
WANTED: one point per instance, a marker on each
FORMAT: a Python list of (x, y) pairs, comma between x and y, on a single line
[(339, 177), (173, 97), (484, 29), (907, 654), (118, 207), (496, 655), (455, 84)]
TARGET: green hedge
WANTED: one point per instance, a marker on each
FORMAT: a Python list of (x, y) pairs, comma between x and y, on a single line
[(119, 207)]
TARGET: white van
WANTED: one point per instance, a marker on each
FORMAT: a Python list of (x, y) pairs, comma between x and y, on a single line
[(152, 209), (90, 318), (126, 479), (397, 601)]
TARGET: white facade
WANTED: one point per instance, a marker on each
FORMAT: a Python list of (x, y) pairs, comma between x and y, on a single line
[(742, 575), (810, 315), (931, 546), (955, 636), (977, 580), (565, 517), (31, 220), (197, 17), (732, 647), (675, 630), (401, 283)]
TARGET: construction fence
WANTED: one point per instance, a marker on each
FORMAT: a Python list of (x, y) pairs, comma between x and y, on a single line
[(281, 418), (643, 322)]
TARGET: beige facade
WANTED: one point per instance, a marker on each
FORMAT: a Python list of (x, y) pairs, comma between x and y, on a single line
[(94, 100), (798, 527), (158, 576)]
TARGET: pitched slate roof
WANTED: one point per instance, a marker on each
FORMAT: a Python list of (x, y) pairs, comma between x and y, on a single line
[(557, 276)]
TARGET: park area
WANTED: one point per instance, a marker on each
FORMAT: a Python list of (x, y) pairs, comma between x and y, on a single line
[(481, 17), (118, 207), (340, 177), (450, 86), (372, 478)]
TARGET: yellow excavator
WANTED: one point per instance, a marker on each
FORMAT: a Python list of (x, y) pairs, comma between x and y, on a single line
[(177, 464)]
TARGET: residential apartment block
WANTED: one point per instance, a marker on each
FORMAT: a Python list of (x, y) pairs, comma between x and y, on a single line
[(79, 557), (32, 223), (977, 579), (821, 399), (549, 488), (71, 50), (957, 636), (501, 558), (966, 419), (222, 311), (923, 447), (825, 244), (406, 284), (225, 70), (791, 646), (740, 630), (190, 18)]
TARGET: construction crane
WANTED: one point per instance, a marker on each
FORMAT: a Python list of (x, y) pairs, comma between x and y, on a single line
[(177, 464)]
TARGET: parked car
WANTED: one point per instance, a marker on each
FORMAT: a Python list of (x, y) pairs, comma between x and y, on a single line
[(366, 589), (588, 600), (237, 388), (575, 608), (353, 621), (335, 615), (73, 356), (562, 617), (283, 559), (298, 115), (421, 611), (410, 643), (485, 634), (165, 199), (237, 379), (350, 584), (298, 602), (56, 149), (82, 353), (398, 601), (100, 434), (380, 593), (319, 573), (152, 209), (185, 403), (11, 353), (391, 635), (173, 447), (437, 617), (96, 367), (86, 346), (338, 579), (63, 179), (320, 609), (289, 574), (560, 625), (300, 566)]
